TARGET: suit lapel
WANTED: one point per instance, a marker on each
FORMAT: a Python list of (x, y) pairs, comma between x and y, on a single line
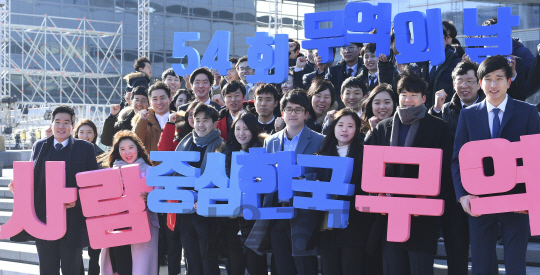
[(482, 120), (43, 150), (71, 142), (303, 141), (423, 129), (508, 112)]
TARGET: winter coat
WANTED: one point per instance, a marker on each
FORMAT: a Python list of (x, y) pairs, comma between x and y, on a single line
[(115, 124)]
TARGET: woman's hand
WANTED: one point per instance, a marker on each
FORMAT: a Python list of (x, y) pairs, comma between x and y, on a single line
[(10, 186)]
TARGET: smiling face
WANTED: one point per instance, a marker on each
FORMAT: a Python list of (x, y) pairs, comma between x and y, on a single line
[(265, 104), (382, 105), (62, 126), (160, 102), (86, 133), (203, 125), (242, 133), (293, 119), (128, 151), (287, 86), (243, 69), (147, 69), (345, 130), (321, 102), (180, 100), (410, 99), (353, 97), (350, 53), (370, 61), (467, 87), (201, 87), (495, 86), (233, 101), (139, 102), (173, 82), (232, 74)]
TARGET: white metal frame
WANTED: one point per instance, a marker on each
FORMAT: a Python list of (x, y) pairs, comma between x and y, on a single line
[(275, 16), (143, 12)]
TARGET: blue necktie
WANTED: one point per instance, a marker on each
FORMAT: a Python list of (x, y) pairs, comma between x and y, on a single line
[(496, 123), (58, 146)]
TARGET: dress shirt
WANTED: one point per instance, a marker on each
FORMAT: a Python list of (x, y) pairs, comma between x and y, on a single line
[(290, 145), (491, 115)]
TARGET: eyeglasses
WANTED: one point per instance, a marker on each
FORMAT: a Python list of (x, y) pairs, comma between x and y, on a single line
[(468, 82), (241, 69), (296, 110), (141, 101), (349, 49)]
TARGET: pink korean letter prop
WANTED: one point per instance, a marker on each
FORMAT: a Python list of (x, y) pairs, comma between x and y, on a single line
[(109, 208), (400, 209), (24, 214), (507, 175)]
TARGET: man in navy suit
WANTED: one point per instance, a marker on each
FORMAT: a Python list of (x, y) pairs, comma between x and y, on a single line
[(292, 241), (498, 116), (79, 156)]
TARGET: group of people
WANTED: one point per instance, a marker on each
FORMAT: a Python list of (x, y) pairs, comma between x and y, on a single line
[(321, 109)]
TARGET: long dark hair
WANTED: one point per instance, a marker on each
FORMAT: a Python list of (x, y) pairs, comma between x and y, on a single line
[(329, 144), (253, 126), (183, 129), (89, 123), (109, 158), (368, 104)]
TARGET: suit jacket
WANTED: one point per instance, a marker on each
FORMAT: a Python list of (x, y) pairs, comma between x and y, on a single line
[(305, 222), (432, 133), (519, 119), (81, 158)]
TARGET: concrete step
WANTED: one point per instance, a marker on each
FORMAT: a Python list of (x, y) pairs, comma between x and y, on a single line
[(15, 268), (6, 204), (441, 268), (533, 252), (7, 176), (24, 253), (5, 193), (4, 217)]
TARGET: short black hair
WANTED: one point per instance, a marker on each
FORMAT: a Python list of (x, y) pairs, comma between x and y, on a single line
[(492, 64), (139, 90), (319, 85), (371, 47), (159, 86), (203, 70), (232, 87), (412, 82), (267, 89), (449, 29), (141, 63), (489, 22), (233, 60), (353, 82), (359, 45), (464, 67), (296, 96), (208, 111), (241, 59), (170, 72), (64, 109)]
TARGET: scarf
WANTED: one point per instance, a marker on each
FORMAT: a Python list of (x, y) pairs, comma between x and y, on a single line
[(142, 164), (407, 116), (212, 141)]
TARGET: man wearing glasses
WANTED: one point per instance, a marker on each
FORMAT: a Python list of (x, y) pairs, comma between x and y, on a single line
[(349, 66), (455, 226), (243, 70), (293, 253)]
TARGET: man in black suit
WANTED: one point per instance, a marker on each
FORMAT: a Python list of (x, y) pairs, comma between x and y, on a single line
[(351, 65), (412, 126), (202, 80), (79, 156)]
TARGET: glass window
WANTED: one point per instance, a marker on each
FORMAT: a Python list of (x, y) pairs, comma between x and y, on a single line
[(207, 3), (245, 4), (49, 9), (199, 24), (223, 26), (177, 9), (100, 14), (245, 16), (176, 22), (76, 11), (100, 3), (76, 2), (199, 12), (223, 14)]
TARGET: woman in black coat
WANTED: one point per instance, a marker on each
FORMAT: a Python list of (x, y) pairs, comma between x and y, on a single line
[(244, 134), (343, 250)]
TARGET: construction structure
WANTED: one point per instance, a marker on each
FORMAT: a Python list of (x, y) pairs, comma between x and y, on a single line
[(55, 61), (275, 18), (143, 33)]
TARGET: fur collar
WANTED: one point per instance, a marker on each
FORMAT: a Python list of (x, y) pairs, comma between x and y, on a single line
[(131, 76)]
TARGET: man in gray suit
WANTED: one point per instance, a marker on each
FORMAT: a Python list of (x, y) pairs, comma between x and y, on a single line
[(293, 241)]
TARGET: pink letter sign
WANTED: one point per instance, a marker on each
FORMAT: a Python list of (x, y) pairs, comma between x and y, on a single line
[(507, 175), (24, 214), (400, 209), (115, 211)]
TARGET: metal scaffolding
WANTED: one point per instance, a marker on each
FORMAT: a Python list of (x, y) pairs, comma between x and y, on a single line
[(275, 16), (48, 61), (143, 12)]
